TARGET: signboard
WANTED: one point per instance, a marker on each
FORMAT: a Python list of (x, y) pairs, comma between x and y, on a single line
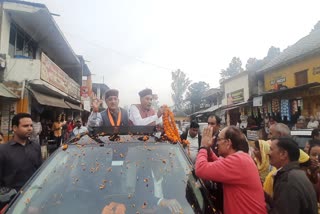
[(257, 101), (316, 70), (278, 80), (84, 91), (55, 76), (235, 97), (73, 89)]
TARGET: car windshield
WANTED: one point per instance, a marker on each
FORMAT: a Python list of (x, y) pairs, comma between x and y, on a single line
[(86, 178)]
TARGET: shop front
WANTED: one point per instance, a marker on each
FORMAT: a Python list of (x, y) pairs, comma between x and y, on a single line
[(8, 101), (48, 102), (290, 104)]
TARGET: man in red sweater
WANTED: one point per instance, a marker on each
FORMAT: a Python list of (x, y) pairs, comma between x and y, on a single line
[(237, 172)]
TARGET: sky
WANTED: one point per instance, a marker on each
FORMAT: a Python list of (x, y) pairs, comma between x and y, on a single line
[(135, 44)]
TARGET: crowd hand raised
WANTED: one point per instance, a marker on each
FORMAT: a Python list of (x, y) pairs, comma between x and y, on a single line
[(207, 139), (314, 165), (96, 103), (172, 204)]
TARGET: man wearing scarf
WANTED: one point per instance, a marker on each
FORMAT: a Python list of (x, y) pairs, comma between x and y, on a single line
[(112, 116), (143, 114)]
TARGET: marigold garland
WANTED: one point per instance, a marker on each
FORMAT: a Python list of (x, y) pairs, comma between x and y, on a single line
[(170, 128)]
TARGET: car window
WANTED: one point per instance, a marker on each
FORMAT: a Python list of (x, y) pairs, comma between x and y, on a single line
[(84, 179)]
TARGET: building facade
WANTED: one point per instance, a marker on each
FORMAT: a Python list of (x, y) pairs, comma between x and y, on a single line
[(38, 65), (292, 81)]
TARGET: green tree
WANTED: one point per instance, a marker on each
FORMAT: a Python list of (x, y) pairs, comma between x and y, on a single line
[(235, 67), (195, 92), (253, 64), (179, 85)]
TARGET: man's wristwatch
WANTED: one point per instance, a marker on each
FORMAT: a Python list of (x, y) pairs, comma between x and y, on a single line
[(203, 147)]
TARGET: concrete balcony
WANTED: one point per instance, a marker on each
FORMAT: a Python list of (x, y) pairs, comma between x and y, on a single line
[(21, 69)]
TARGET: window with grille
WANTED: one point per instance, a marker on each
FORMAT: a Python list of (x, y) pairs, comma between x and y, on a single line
[(20, 43)]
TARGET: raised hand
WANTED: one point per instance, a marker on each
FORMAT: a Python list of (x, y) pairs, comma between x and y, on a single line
[(96, 103), (314, 165), (207, 139), (160, 111)]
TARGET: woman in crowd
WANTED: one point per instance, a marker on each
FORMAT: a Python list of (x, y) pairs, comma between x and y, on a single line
[(313, 171), (70, 126), (57, 129), (315, 135), (261, 157)]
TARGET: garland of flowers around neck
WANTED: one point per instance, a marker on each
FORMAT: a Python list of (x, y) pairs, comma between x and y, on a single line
[(170, 128)]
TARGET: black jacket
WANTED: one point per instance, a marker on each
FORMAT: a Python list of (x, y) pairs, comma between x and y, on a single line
[(18, 163), (293, 192), (124, 118), (184, 136)]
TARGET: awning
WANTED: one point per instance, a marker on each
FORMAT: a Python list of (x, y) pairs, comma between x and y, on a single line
[(40, 85), (47, 100), (287, 90), (73, 106), (6, 92), (229, 107), (211, 109)]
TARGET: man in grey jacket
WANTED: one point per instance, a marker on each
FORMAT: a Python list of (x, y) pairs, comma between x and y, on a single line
[(293, 191), (112, 116)]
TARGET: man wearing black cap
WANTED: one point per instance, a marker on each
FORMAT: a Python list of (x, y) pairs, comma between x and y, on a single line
[(142, 114), (112, 116)]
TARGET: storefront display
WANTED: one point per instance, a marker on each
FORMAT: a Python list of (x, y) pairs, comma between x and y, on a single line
[(275, 106), (269, 108), (285, 110)]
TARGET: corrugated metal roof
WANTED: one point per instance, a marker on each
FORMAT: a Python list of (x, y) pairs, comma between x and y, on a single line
[(308, 45), (5, 92), (25, 3)]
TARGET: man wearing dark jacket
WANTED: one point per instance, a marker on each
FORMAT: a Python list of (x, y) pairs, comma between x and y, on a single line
[(293, 192), (19, 158), (112, 116), (193, 136)]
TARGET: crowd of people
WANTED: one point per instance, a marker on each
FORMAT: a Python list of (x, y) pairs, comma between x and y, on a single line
[(273, 176), (266, 176)]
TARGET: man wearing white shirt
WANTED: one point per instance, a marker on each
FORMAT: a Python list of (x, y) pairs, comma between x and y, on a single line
[(143, 114), (194, 138), (79, 129)]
